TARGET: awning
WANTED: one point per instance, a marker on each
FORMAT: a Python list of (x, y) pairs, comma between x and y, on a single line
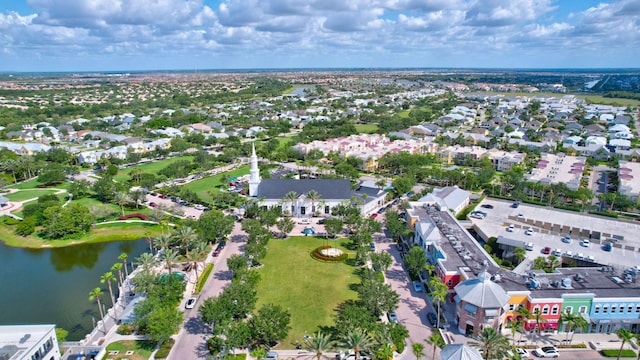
[(470, 308), (491, 312)]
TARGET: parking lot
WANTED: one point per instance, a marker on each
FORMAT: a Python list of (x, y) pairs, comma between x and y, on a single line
[(545, 227)]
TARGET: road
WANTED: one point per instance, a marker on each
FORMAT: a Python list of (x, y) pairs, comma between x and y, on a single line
[(191, 342)]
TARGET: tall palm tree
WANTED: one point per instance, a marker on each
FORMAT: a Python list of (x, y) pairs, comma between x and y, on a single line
[(197, 254), (186, 235), (147, 235), (117, 267), (319, 343), (515, 326), (124, 257), (291, 197), (145, 260), (121, 198), (418, 348), (385, 352), (356, 340), (313, 196), (107, 278), (95, 294), (162, 241), (537, 316), (626, 336), (492, 344), (170, 257), (436, 341), (439, 292)]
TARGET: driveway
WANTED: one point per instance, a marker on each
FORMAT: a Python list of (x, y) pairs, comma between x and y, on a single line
[(191, 343)]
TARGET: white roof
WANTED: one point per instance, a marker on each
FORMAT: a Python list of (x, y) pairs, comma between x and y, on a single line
[(482, 292), (460, 352)]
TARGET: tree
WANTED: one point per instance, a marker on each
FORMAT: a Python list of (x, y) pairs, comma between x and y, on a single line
[(186, 235), (270, 324), (492, 344), (381, 260), (313, 196), (124, 257), (162, 241), (385, 352), (436, 341), (285, 225), (515, 326), (333, 226), (439, 292), (291, 197), (105, 189), (96, 294), (572, 322), (117, 267), (214, 226), (394, 225), (318, 344), (520, 254), (197, 254), (163, 322), (626, 336), (107, 278), (52, 174), (356, 340), (170, 257), (122, 199), (418, 350), (27, 226), (146, 260), (80, 188), (376, 296), (414, 261)]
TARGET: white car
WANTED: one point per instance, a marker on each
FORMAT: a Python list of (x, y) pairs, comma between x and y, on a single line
[(566, 239), (529, 231), (585, 243), (191, 303), (510, 228), (523, 353), (547, 352), (303, 222), (529, 246), (568, 254), (557, 252)]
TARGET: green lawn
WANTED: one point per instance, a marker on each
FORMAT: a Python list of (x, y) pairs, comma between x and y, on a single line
[(310, 289), (31, 184), (150, 168), (141, 349), (212, 183), (27, 194), (366, 128)]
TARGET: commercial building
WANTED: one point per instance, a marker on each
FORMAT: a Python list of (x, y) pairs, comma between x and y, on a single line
[(29, 342)]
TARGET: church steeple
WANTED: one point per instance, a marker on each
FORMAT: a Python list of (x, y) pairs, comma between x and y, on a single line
[(254, 173)]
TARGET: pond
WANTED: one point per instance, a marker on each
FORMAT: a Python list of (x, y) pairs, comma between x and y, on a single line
[(51, 286)]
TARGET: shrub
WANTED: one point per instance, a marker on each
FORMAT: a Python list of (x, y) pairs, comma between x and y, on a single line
[(134, 216), (27, 226), (11, 221), (203, 278), (126, 329), (614, 353), (163, 352), (215, 344)]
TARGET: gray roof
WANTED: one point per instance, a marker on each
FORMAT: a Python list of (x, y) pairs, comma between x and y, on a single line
[(460, 352), (482, 292), (335, 189)]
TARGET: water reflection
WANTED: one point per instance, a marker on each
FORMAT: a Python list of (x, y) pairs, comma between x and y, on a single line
[(86, 256)]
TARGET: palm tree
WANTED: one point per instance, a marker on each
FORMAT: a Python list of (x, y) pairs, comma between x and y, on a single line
[(436, 341), (385, 352), (572, 323), (626, 336), (95, 294), (519, 254), (107, 278), (124, 257), (313, 196), (418, 348), (537, 316), (356, 340), (147, 235), (515, 325), (319, 343), (291, 198), (199, 253), (118, 268), (492, 344), (162, 241), (186, 235), (170, 257), (145, 260), (121, 198), (553, 262), (381, 183), (439, 292)]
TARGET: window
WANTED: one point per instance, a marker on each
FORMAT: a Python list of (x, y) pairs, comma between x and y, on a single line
[(638, 308), (303, 210), (613, 308), (605, 309), (621, 309), (512, 307), (568, 310), (597, 309), (582, 310), (450, 282), (326, 209), (629, 309), (520, 306), (545, 310), (554, 310), (536, 309)]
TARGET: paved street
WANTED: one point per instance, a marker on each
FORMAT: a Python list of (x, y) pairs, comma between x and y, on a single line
[(191, 340)]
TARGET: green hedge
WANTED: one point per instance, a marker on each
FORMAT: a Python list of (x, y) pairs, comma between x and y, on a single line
[(614, 353), (203, 278), (163, 352)]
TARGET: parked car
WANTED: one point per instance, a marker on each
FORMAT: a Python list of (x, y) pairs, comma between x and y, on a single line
[(433, 318), (303, 222), (515, 204), (222, 244), (547, 352), (270, 355), (216, 252), (557, 252), (546, 250), (320, 222), (393, 316), (607, 247), (373, 216), (529, 231), (585, 243), (566, 239), (487, 206), (529, 246), (152, 204), (510, 228), (417, 286), (191, 303)]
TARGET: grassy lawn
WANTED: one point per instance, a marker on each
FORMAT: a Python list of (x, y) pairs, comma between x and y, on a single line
[(141, 349), (31, 184), (212, 183), (27, 194), (150, 168), (103, 233), (310, 289), (366, 128)]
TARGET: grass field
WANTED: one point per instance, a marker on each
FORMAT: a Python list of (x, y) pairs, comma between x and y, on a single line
[(27, 194), (212, 183), (310, 289), (141, 349), (366, 128), (31, 184), (150, 168)]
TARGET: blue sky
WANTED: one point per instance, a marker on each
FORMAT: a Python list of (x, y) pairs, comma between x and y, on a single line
[(116, 35)]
